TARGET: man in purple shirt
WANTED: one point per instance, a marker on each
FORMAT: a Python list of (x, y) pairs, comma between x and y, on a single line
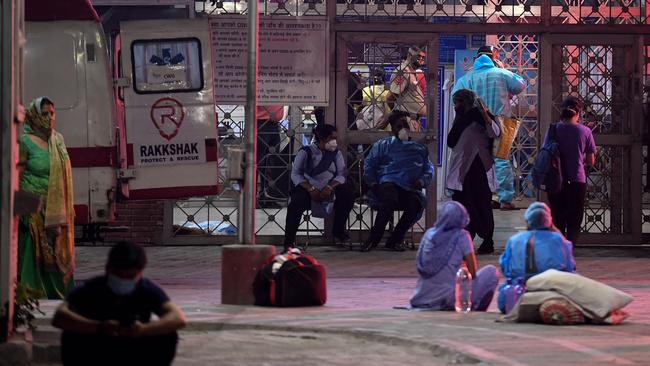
[(577, 149)]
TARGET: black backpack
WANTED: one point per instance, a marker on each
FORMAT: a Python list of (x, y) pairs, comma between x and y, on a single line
[(300, 281), (547, 171)]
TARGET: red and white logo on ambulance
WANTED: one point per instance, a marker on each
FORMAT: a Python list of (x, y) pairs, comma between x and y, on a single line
[(167, 115)]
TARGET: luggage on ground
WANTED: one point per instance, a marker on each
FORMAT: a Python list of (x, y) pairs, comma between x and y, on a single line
[(291, 279)]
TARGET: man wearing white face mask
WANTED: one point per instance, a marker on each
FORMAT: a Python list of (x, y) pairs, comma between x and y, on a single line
[(107, 320), (406, 89), (396, 170), (318, 173)]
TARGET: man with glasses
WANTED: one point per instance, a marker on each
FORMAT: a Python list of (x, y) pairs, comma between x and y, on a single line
[(406, 89)]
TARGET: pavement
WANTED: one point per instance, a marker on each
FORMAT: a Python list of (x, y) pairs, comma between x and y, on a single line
[(358, 325)]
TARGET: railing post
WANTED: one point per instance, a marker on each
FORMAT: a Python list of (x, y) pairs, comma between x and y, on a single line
[(10, 102), (241, 262), (250, 182)]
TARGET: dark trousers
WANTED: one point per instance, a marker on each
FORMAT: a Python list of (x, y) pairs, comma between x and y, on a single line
[(83, 350), (268, 147), (392, 198), (476, 196), (567, 208), (300, 201)]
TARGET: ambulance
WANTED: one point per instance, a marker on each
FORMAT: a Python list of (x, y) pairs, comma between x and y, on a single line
[(137, 113)]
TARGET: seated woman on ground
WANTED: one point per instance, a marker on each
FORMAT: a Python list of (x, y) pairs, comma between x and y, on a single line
[(443, 250), (550, 249)]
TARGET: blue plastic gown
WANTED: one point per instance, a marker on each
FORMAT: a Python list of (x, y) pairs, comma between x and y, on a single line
[(552, 251), (505, 180), (496, 87), (400, 162)]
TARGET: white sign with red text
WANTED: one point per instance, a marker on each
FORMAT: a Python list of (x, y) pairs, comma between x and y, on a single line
[(166, 116)]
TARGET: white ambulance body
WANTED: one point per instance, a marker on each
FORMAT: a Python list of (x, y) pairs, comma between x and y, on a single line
[(168, 96), (153, 135), (67, 62)]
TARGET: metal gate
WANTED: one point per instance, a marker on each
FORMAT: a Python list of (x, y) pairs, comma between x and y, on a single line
[(605, 72), (358, 57), (596, 50)]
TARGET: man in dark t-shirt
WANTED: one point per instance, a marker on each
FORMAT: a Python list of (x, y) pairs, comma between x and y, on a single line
[(107, 320)]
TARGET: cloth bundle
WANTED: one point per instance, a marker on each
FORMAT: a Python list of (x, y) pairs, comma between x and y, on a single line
[(599, 303)]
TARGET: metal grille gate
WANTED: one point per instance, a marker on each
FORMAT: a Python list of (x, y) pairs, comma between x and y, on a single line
[(542, 45)]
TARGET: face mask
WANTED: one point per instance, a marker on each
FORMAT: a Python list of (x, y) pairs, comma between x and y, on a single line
[(403, 134), (331, 145), (121, 286)]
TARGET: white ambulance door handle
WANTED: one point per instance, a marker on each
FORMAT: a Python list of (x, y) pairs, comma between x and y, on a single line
[(125, 174), (123, 82)]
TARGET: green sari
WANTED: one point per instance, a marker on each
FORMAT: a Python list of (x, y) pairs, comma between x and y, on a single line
[(46, 261)]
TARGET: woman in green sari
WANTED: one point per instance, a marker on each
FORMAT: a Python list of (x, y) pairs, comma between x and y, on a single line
[(46, 237)]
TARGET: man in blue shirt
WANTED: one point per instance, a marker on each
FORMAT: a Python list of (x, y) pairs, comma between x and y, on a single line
[(396, 171), (495, 86), (318, 173)]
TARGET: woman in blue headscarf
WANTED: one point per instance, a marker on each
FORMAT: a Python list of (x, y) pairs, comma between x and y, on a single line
[(443, 250), (550, 249)]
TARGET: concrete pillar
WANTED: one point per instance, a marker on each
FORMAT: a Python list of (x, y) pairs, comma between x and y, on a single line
[(240, 264)]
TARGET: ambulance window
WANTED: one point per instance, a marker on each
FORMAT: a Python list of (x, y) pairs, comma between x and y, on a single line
[(59, 80), (167, 65)]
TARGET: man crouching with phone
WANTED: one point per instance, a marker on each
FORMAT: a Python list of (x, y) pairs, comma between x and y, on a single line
[(107, 320)]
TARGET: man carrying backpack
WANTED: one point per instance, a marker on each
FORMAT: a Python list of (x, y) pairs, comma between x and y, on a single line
[(577, 151), (318, 173)]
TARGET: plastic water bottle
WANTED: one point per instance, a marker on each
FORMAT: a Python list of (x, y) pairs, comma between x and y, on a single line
[(463, 291), (520, 288), (512, 292), (508, 295)]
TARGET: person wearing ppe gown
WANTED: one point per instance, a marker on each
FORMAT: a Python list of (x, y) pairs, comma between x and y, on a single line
[(396, 170), (495, 85), (551, 249)]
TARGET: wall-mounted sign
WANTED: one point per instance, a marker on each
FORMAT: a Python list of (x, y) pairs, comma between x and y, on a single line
[(293, 60)]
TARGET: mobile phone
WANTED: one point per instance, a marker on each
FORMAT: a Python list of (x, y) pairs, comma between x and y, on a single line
[(128, 320)]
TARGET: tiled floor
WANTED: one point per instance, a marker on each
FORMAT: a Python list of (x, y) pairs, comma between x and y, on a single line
[(362, 290)]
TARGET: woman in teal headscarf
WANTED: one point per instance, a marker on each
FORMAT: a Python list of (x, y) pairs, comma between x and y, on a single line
[(46, 237)]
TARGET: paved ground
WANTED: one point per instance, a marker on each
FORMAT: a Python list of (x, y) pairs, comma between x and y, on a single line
[(358, 325)]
